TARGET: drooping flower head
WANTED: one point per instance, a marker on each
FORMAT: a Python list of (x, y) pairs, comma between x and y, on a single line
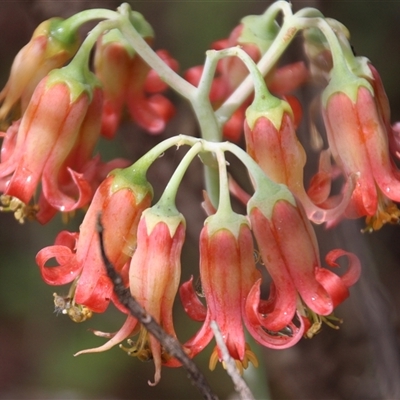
[(272, 142), (227, 272), (51, 46), (254, 35), (154, 274), (120, 199), (52, 145), (289, 251), (128, 80), (359, 141)]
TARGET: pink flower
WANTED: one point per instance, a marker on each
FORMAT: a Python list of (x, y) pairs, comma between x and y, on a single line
[(53, 147), (272, 142), (228, 275), (127, 79), (44, 52), (359, 142), (154, 275), (78, 254), (289, 251)]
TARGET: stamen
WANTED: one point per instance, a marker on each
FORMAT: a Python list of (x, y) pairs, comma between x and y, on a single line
[(241, 365), (21, 210), (386, 213)]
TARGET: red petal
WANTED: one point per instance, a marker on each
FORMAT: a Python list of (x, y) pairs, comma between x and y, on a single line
[(191, 303)]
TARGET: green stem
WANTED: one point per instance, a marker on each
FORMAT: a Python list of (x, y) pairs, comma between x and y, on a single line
[(277, 7), (268, 60), (210, 128), (73, 23), (168, 197), (148, 159), (257, 174), (207, 77), (260, 87), (167, 74), (82, 57), (224, 205), (339, 62)]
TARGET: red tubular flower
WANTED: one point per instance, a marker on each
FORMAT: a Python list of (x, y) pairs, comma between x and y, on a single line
[(45, 51), (272, 142), (78, 255), (280, 233), (47, 133), (359, 143), (53, 146), (228, 274), (127, 79), (154, 275)]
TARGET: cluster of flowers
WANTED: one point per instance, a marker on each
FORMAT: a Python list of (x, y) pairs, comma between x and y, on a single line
[(52, 115)]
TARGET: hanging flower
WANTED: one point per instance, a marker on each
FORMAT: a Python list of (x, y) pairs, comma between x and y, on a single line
[(272, 142), (120, 202), (50, 47), (52, 145), (154, 275), (358, 139), (128, 80), (281, 229), (228, 274)]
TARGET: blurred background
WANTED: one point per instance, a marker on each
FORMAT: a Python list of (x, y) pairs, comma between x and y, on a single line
[(360, 361)]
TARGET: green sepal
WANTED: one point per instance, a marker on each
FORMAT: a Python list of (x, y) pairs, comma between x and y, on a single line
[(260, 30), (225, 219), (79, 80), (162, 213), (267, 106), (63, 35), (133, 179), (344, 81), (267, 194)]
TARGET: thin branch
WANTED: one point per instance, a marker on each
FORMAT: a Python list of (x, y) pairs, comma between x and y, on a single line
[(170, 344), (240, 385)]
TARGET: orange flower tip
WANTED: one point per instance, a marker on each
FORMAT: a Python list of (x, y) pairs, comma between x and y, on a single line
[(106, 335), (20, 210), (241, 365)]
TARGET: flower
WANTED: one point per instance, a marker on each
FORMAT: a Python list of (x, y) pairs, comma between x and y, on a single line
[(281, 228), (51, 46), (120, 203), (53, 146), (154, 275), (231, 72), (228, 274), (127, 79), (358, 139), (272, 142)]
